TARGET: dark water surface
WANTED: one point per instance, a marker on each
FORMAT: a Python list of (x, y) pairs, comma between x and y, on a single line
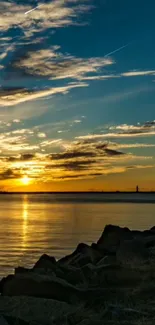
[(33, 224)]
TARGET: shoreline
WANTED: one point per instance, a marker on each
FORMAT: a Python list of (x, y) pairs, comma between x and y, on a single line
[(108, 282)]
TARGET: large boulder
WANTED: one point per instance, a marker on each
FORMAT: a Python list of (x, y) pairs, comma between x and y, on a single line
[(112, 237), (39, 286), (132, 252), (50, 288), (45, 262), (35, 310)]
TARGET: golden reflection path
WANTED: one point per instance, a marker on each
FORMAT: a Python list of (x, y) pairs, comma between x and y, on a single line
[(25, 222)]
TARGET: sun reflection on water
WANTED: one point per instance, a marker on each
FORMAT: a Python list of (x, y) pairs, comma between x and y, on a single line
[(25, 221)]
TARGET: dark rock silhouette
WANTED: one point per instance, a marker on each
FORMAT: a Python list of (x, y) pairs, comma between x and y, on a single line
[(45, 261), (82, 255), (121, 262)]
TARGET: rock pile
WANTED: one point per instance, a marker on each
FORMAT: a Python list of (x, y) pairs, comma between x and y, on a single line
[(83, 287)]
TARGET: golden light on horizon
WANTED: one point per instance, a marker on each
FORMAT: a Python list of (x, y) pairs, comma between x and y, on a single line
[(25, 180)]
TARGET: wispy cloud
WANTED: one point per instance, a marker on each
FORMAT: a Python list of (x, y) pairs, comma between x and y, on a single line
[(123, 131), (14, 96), (136, 73), (132, 145), (30, 19), (54, 65)]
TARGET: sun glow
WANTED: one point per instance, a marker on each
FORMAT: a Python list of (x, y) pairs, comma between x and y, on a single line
[(25, 180)]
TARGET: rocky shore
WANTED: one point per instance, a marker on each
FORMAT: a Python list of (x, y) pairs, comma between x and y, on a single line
[(110, 282)]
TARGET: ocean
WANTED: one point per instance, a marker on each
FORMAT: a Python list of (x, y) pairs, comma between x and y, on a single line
[(33, 224)]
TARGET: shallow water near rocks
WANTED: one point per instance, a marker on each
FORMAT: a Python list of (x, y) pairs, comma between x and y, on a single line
[(33, 224)]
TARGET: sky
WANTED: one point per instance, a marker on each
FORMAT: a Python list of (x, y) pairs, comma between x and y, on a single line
[(77, 95)]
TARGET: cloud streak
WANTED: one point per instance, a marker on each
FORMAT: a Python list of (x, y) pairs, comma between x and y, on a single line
[(137, 73), (14, 96), (123, 131)]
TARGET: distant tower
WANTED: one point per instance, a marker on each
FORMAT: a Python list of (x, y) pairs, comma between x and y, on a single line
[(137, 188)]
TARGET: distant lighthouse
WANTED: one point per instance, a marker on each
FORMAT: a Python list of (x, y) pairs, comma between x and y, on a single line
[(137, 189)]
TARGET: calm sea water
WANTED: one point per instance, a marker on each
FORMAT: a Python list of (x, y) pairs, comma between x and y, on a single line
[(31, 225)]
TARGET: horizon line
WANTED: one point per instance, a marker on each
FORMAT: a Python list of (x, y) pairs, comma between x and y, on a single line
[(77, 192)]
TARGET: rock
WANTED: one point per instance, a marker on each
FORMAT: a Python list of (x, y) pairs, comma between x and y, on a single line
[(49, 288), (7, 320), (149, 241), (3, 321), (45, 262), (72, 274), (117, 276), (107, 260), (82, 255), (132, 252), (4, 280), (91, 322), (111, 238), (80, 260), (39, 286), (110, 276), (22, 270), (30, 309), (88, 273), (68, 273), (152, 229)]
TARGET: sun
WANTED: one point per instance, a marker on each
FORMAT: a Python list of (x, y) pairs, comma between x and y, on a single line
[(25, 180)]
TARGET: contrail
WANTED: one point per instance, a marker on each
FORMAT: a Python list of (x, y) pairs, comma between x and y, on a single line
[(117, 50), (27, 12)]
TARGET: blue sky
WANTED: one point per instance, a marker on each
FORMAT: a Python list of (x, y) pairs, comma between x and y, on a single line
[(77, 92)]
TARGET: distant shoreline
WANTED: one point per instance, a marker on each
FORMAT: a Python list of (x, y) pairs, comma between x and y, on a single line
[(73, 192)]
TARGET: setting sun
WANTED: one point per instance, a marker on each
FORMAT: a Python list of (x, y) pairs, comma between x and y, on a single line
[(25, 180)]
